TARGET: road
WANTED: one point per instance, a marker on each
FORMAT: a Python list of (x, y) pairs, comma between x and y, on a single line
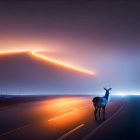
[(124, 125), (67, 118)]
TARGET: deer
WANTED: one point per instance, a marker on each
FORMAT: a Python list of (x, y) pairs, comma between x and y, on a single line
[(100, 103)]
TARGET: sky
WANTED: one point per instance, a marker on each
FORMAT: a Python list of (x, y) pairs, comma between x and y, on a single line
[(100, 36)]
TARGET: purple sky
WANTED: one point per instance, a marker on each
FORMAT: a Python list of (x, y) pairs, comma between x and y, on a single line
[(101, 36)]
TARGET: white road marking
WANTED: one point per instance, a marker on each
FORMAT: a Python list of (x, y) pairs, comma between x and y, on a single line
[(14, 130), (70, 132)]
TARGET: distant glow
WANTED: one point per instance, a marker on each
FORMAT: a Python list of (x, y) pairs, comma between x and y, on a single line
[(125, 94), (61, 63), (46, 58), (120, 94)]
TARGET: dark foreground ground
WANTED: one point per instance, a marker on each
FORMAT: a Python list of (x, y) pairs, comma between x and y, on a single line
[(70, 118), (7, 100)]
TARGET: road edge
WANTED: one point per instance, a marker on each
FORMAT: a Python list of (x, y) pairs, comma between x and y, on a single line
[(97, 128)]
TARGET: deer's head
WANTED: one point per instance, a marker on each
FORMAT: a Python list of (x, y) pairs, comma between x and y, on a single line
[(107, 92)]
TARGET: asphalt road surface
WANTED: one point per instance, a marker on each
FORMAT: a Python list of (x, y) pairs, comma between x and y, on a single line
[(70, 118)]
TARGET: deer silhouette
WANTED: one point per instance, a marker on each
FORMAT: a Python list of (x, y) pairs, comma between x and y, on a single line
[(100, 103)]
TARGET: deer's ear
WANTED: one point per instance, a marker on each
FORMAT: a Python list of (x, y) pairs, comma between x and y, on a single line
[(109, 88), (105, 89)]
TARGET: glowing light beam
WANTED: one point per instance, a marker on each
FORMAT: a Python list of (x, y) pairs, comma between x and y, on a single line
[(16, 51), (49, 59), (61, 63)]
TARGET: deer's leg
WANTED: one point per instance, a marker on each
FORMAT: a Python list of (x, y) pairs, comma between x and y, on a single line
[(95, 112), (99, 114), (103, 113)]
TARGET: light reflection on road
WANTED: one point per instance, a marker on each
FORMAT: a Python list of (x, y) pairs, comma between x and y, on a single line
[(64, 111)]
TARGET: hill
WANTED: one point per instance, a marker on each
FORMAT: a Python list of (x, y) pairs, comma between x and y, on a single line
[(22, 73)]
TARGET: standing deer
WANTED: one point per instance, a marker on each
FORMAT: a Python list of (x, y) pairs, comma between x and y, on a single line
[(100, 103)]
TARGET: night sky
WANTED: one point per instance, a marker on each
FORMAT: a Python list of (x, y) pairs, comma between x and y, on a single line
[(102, 36)]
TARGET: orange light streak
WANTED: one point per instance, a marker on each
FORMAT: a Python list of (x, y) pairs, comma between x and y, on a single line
[(9, 52), (16, 51), (49, 59), (61, 63)]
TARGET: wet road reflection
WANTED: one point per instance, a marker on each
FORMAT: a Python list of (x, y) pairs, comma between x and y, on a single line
[(64, 112), (56, 117)]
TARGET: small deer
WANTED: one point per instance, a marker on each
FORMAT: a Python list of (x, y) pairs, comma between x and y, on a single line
[(100, 103)]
